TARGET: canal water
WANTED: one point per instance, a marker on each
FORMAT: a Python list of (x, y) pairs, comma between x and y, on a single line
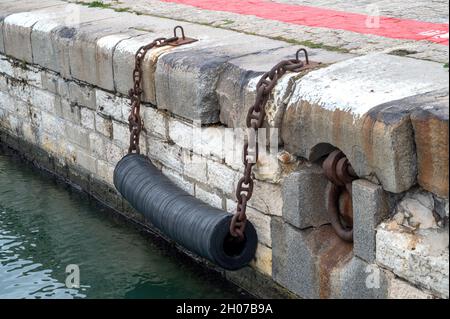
[(47, 228)]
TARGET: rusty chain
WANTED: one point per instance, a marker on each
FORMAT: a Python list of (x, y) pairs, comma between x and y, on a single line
[(255, 120), (340, 174), (135, 122)]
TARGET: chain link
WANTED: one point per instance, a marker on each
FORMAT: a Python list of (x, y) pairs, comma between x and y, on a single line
[(255, 120), (135, 122)]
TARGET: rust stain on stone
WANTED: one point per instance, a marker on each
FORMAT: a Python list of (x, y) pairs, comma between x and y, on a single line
[(337, 124), (431, 137), (333, 252), (367, 137)]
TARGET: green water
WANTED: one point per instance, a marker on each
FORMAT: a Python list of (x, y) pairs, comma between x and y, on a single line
[(45, 226)]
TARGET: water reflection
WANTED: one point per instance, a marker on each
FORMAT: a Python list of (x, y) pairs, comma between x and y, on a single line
[(44, 227)]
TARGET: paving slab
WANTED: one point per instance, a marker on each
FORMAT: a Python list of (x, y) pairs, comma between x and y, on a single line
[(421, 13)]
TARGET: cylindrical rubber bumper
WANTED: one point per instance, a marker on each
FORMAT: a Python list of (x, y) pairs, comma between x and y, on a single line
[(190, 222)]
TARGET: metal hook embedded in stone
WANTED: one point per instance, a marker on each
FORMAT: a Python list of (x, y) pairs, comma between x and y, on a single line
[(181, 29), (304, 52)]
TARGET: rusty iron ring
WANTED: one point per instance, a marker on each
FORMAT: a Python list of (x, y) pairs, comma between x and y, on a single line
[(333, 211), (330, 164)]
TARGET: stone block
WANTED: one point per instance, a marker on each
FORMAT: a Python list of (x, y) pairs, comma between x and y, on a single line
[(167, 154), (418, 210), (186, 78), (10, 7), (263, 260), (155, 121), (236, 87), (371, 204), (356, 279), (82, 95), (208, 197), (114, 153), (109, 105), (49, 81), (104, 125), (92, 48), (17, 21), (267, 198), (420, 257), (181, 133), (44, 100), (399, 289), (85, 160), (120, 133), (303, 260), (430, 125), (221, 177), (124, 61), (50, 36), (179, 180), (77, 135), (370, 123), (105, 172), (262, 225), (69, 111), (87, 118), (52, 124), (195, 167), (305, 198), (3, 84)]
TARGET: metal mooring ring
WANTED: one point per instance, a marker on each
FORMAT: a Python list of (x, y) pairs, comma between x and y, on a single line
[(179, 27), (333, 211), (304, 52)]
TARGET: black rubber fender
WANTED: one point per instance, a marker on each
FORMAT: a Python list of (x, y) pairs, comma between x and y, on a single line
[(195, 225)]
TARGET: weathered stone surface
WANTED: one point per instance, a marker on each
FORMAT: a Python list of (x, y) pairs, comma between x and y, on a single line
[(16, 35), (195, 167), (377, 140), (168, 154), (303, 260), (222, 177), (186, 78), (50, 37), (208, 197), (304, 198), (417, 210), (180, 181), (420, 257), (110, 105), (263, 260), (357, 279), (236, 88), (11, 7), (83, 95), (125, 50), (371, 204), (91, 50), (262, 225), (267, 198), (431, 136), (399, 289)]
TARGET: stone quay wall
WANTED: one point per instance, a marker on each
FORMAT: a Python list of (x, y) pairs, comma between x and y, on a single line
[(65, 71)]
